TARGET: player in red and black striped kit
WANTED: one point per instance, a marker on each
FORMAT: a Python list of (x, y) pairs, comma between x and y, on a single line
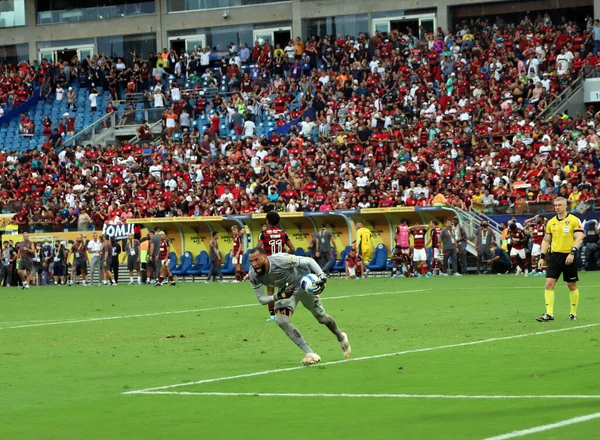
[(537, 229), (237, 253), (435, 241), (274, 240)]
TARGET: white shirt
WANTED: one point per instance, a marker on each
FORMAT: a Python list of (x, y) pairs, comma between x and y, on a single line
[(205, 58), (92, 99), (175, 94), (60, 92), (362, 181), (249, 128), (156, 170), (94, 247), (158, 100)]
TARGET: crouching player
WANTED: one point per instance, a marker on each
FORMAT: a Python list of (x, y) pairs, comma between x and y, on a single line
[(354, 265), (285, 272)]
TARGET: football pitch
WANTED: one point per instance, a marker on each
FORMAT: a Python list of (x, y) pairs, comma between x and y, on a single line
[(438, 358)]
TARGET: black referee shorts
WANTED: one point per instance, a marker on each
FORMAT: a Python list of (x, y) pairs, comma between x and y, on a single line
[(556, 266)]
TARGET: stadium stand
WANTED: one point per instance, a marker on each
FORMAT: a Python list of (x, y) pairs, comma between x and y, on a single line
[(457, 119)]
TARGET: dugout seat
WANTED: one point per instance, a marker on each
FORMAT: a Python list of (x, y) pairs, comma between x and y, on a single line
[(379, 260), (172, 261), (206, 261), (227, 268), (194, 269), (184, 265), (340, 266), (246, 262), (300, 252)]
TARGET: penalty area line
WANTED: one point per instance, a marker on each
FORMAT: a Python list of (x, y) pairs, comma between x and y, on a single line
[(368, 396), (542, 428), (364, 358)]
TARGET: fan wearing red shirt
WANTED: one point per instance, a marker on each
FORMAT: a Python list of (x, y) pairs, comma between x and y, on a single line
[(273, 240)]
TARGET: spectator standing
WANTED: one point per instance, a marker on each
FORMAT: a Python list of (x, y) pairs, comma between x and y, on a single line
[(93, 98), (114, 263), (449, 249), (484, 238), (133, 257), (215, 259), (94, 248), (326, 246)]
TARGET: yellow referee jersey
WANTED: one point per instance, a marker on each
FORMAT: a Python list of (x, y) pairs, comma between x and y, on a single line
[(563, 232)]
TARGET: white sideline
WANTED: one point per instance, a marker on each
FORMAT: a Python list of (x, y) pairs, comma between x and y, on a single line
[(543, 428), (142, 315), (369, 396), (398, 353)]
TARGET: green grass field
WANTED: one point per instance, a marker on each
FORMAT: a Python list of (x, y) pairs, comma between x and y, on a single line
[(68, 356)]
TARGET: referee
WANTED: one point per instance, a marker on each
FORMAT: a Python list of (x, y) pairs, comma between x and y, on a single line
[(564, 235)]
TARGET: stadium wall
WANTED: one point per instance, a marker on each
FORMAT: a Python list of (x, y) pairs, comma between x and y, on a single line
[(292, 13)]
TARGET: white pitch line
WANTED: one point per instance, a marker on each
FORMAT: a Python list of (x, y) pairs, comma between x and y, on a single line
[(143, 315), (176, 312), (543, 428), (369, 396), (398, 353)]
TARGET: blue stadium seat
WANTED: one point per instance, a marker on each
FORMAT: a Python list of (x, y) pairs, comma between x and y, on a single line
[(300, 252), (246, 262), (379, 260), (185, 264), (340, 266), (194, 269), (227, 268), (173, 261)]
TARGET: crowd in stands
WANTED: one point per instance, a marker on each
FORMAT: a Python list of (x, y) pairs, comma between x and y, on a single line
[(398, 119)]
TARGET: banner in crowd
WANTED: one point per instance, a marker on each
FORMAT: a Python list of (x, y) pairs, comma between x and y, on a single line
[(116, 228)]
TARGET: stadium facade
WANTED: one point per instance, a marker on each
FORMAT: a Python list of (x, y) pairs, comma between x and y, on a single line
[(55, 29)]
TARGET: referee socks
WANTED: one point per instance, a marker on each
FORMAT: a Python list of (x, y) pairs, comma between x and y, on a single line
[(549, 297), (574, 294)]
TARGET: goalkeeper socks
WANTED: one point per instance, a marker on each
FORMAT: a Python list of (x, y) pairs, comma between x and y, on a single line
[(574, 294), (549, 297), (332, 326), (292, 332)]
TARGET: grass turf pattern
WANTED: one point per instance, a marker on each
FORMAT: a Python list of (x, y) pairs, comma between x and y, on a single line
[(62, 379)]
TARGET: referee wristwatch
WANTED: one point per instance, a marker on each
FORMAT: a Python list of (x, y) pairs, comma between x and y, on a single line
[(574, 250)]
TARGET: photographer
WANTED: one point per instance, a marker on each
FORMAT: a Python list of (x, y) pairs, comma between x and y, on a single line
[(58, 267)]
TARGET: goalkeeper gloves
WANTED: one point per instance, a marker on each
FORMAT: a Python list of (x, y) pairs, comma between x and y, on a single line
[(284, 292), (320, 284)]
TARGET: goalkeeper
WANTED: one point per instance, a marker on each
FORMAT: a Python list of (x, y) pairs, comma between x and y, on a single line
[(285, 272)]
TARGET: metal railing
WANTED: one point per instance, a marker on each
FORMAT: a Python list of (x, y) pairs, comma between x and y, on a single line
[(118, 118), (155, 128), (562, 98)]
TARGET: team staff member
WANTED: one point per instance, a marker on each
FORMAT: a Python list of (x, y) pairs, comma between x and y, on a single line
[(564, 235), (363, 244)]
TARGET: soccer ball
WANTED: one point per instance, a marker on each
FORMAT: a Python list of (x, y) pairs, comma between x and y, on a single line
[(308, 283)]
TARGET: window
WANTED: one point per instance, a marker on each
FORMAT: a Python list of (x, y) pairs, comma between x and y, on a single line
[(12, 13), (199, 5), (70, 11), (343, 25), (14, 53)]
